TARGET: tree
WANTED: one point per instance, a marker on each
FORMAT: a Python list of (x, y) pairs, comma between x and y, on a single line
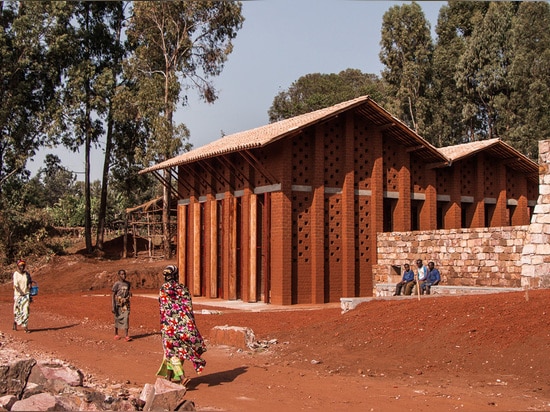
[(528, 110), (178, 45), (30, 73), (407, 52), (455, 24), (482, 73), (317, 91)]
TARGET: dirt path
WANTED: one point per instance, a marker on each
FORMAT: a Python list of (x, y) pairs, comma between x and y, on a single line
[(465, 353)]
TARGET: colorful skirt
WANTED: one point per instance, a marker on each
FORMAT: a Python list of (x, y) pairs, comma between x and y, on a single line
[(21, 309)]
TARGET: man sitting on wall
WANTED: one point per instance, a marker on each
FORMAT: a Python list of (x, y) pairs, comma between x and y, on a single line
[(408, 277), (433, 278)]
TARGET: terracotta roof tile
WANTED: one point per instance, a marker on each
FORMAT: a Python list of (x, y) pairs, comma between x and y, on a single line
[(257, 137)]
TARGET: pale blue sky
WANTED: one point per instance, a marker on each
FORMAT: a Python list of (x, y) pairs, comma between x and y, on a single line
[(280, 41)]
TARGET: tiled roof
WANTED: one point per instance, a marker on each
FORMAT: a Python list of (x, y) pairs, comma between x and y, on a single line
[(496, 148), (264, 135), (459, 151)]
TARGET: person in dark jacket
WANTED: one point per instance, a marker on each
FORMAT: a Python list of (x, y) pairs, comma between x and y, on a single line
[(408, 277), (433, 278)]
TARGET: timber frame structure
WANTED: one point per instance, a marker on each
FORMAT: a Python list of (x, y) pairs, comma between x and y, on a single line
[(288, 213), (145, 222)]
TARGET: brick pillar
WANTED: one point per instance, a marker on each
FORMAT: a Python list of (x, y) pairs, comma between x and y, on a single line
[(521, 212), (281, 230), (499, 215), (478, 219), (317, 226), (453, 216), (402, 212), (348, 210), (428, 214), (377, 191)]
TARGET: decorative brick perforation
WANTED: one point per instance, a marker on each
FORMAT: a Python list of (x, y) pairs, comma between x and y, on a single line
[(263, 158), (361, 159), (333, 246), (301, 155), (362, 244), (490, 180), (301, 247), (443, 181), (389, 152), (467, 177), (219, 182), (512, 191), (334, 174), (418, 169)]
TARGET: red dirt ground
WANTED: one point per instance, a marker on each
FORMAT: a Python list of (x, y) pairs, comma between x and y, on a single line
[(466, 353)]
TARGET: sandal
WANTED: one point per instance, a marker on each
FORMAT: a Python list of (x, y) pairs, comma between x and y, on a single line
[(117, 337), (127, 339)]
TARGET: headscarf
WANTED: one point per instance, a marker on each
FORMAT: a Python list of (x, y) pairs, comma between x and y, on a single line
[(170, 272), (21, 262)]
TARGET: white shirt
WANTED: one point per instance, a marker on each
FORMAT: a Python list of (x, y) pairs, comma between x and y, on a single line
[(20, 284)]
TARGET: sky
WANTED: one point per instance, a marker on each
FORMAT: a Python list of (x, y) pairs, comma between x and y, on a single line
[(280, 41)]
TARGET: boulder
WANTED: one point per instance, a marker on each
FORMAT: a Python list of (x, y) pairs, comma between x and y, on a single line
[(163, 396), (14, 375)]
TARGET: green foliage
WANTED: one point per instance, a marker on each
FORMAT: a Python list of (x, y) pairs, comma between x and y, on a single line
[(407, 54), (317, 91)]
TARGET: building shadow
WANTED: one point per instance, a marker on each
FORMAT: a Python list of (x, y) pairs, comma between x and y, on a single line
[(144, 335)]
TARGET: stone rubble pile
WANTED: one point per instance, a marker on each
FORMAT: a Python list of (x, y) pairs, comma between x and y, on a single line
[(28, 384)]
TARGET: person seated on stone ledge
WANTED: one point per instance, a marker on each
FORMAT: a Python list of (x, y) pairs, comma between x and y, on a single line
[(421, 276), (433, 278), (408, 277)]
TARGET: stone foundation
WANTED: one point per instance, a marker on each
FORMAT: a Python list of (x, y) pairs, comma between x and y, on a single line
[(465, 257), (535, 259)]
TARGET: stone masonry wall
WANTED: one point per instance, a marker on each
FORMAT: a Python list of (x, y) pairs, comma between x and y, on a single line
[(465, 257), (535, 259)]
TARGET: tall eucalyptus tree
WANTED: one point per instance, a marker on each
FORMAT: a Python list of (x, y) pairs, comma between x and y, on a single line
[(406, 54), (178, 45)]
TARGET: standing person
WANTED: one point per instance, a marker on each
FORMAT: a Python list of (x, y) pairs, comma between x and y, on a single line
[(421, 275), (21, 296), (408, 277), (433, 278), (121, 305), (181, 340)]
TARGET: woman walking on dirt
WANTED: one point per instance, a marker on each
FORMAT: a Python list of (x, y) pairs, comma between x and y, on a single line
[(21, 296), (121, 305), (181, 340)]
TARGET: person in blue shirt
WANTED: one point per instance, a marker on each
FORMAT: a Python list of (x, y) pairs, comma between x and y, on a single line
[(433, 278), (408, 276)]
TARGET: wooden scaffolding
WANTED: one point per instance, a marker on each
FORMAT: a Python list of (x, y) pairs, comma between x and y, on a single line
[(144, 226)]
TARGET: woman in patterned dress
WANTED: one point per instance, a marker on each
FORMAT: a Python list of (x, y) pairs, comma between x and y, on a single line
[(181, 340)]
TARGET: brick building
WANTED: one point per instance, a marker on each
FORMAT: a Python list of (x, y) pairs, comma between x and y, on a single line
[(288, 213)]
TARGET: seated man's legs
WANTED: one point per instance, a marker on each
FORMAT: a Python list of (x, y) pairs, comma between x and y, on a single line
[(409, 287)]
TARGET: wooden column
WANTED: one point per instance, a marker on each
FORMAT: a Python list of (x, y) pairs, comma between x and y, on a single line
[(196, 247), (253, 248), (348, 211), (317, 222), (182, 239), (213, 249)]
